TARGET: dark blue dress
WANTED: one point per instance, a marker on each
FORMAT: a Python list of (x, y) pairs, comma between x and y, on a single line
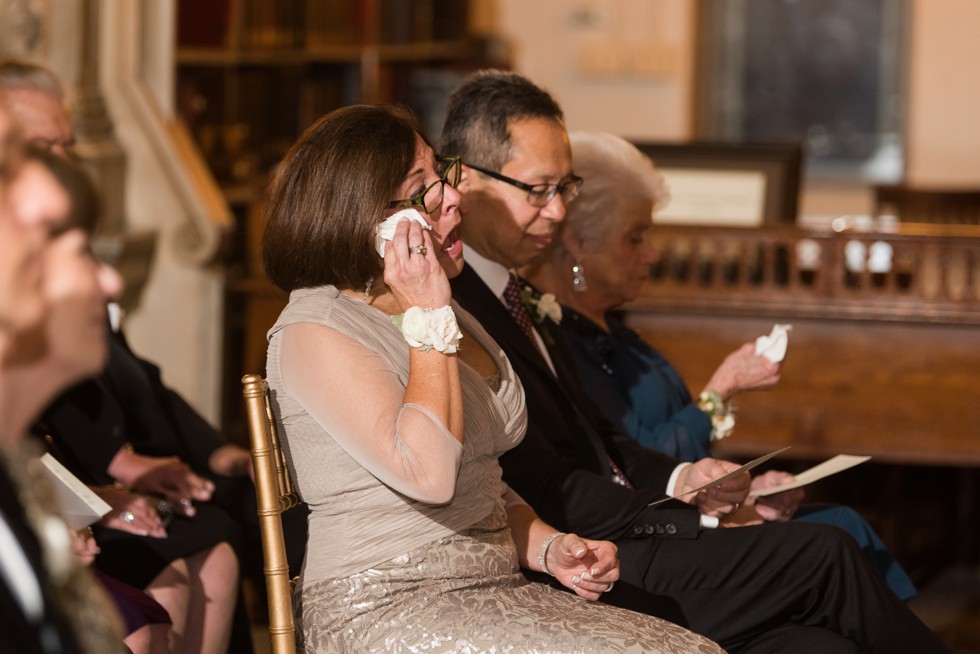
[(638, 389)]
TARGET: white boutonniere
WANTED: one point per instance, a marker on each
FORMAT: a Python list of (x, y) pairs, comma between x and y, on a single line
[(541, 306)]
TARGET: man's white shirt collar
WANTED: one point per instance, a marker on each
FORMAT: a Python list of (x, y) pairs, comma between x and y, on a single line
[(496, 277), (493, 274)]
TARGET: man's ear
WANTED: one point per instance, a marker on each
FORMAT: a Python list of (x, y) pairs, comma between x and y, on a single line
[(464, 179), (465, 186)]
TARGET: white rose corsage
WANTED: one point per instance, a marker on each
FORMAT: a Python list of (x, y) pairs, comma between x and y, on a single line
[(722, 415), (430, 329), (541, 306)]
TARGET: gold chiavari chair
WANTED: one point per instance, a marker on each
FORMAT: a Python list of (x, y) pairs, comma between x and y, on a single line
[(275, 494)]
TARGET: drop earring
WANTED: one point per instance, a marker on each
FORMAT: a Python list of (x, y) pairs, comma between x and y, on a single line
[(578, 278), (367, 289)]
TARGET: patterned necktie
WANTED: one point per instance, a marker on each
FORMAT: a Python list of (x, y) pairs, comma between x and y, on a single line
[(512, 297), (618, 476)]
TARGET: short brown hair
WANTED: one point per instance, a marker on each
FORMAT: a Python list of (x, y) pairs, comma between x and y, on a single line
[(329, 194), (481, 110)]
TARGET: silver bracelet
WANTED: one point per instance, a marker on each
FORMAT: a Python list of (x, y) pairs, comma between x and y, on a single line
[(543, 551)]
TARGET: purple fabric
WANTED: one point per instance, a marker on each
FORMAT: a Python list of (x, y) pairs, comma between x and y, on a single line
[(136, 607)]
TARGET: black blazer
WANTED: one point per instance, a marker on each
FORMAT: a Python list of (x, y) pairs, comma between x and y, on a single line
[(128, 402), (52, 635), (561, 467)]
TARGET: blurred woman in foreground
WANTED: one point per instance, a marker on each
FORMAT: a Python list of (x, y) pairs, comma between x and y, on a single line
[(51, 291)]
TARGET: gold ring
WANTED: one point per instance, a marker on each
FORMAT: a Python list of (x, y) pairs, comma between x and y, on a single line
[(418, 249)]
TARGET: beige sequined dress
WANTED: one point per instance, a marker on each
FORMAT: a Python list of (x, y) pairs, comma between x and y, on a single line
[(384, 571)]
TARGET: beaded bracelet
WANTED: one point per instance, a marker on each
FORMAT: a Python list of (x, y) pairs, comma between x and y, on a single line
[(722, 415), (543, 552), (429, 329)]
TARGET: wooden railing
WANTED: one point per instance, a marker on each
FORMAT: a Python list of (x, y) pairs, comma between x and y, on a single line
[(883, 360), (921, 274)]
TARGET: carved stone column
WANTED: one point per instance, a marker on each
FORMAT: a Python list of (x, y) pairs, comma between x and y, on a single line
[(99, 150), (97, 146)]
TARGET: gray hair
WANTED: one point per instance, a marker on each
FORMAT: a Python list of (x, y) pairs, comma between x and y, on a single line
[(18, 74), (614, 170)]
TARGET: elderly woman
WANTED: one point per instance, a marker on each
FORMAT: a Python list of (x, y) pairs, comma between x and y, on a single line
[(393, 406), (598, 262)]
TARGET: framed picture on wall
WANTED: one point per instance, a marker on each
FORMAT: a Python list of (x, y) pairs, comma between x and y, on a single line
[(837, 84), (730, 184)]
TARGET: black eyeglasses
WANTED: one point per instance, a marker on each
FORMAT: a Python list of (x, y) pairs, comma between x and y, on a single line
[(540, 195), (430, 198)]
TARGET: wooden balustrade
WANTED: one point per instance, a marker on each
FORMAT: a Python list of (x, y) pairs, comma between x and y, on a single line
[(882, 360), (933, 277)]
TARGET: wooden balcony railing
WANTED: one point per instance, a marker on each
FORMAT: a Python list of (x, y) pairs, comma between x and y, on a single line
[(884, 356), (925, 274)]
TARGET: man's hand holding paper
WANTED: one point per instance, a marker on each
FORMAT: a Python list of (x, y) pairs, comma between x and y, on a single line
[(720, 486), (715, 500)]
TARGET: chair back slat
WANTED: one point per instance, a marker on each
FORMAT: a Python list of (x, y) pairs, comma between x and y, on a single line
[(287, 496), (274, 494)]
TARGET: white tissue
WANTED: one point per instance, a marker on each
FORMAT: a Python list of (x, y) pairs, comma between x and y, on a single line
[(773, 346), (386, 229)]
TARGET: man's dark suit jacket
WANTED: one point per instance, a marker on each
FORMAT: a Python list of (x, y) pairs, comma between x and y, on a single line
[(561, 467), (18, 634), (775, 587)]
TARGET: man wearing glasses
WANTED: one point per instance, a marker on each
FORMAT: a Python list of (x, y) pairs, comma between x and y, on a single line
[(777, 587)]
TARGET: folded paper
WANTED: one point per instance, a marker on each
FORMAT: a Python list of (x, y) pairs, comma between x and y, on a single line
[(773, 346), (721, 480), (386, 229), (80, 507), (829, 467)]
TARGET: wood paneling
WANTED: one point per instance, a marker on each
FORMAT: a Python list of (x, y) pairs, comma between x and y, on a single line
[(886, 363), (901, 392)]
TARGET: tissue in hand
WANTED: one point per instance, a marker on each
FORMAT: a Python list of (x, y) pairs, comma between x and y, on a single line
[(386, 229), (773, 346)]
